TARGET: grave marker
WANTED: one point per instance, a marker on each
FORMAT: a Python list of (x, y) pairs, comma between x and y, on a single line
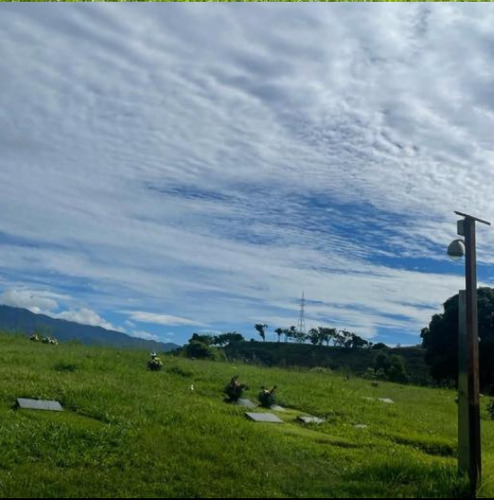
[(39, 404), (246, 402), (264, 417)]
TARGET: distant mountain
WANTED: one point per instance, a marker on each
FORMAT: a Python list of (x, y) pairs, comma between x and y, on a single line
[(16, 319)]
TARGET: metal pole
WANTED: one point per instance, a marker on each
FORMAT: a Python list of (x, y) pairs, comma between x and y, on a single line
[(463, 415), (475, 466)]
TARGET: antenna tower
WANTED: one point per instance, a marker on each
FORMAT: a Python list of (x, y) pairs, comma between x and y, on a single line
[(301, 319)]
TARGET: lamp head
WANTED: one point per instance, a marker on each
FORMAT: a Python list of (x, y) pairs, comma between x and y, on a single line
[(456, 249)]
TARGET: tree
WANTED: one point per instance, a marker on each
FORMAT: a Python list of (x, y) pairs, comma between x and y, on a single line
[(279, 332), (314, 336), (227, 338), (440, 340), (204, 339), (379, 345), (290, 333), (357, 341), (390, 368), (396, 371), (261, 329), (200, 350)]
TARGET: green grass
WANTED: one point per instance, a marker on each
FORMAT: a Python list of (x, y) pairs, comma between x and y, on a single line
[(129, 432)]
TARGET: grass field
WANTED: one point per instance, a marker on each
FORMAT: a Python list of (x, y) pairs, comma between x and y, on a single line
[(129, 432)]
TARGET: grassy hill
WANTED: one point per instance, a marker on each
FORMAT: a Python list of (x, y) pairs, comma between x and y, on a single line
[(129, 432)]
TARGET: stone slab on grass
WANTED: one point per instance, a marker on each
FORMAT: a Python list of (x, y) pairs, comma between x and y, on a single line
[(264, 417), (310, 419), (39, 404), (277, 408), (246, 402)]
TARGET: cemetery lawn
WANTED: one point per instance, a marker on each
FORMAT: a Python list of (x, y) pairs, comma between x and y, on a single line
[(130, 432)]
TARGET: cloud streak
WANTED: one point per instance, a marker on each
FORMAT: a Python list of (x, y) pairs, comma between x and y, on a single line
[(191, 167)]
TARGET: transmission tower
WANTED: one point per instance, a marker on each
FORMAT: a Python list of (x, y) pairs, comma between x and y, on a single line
[(301, 319)]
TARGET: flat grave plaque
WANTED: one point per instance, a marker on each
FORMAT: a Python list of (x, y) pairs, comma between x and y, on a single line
[(246, 402), (277, 408), (310, 420), (264, 417), (39, 404)]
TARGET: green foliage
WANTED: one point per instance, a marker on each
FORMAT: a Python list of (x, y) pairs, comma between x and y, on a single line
[(206, 339), (440, 340), (227, 338), (199, 350), (390, 367), (379, 345)]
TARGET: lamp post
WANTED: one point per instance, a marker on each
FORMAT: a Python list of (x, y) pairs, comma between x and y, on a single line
[(469, 451)]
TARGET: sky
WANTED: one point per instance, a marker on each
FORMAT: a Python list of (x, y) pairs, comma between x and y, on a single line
[(169, 168)]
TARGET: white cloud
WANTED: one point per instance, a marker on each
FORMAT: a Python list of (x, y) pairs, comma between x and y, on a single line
[(86, 316), (145, 335), (157, 162), (34, 300), (161, 319)]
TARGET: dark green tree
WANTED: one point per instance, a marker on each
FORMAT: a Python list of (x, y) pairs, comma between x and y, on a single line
[(207, 339), (379, 345), (199, 350), (261, 330), (290, 333), (314, 337), (226, 338), (396, 370), (440, 340), (279, 332)]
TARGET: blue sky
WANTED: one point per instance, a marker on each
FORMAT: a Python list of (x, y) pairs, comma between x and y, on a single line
[(177, 168)]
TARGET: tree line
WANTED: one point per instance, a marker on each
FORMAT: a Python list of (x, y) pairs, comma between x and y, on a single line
[(316, 336)]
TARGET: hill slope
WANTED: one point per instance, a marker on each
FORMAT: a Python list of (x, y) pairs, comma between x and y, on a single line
[(16, 319), (129, 432)]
